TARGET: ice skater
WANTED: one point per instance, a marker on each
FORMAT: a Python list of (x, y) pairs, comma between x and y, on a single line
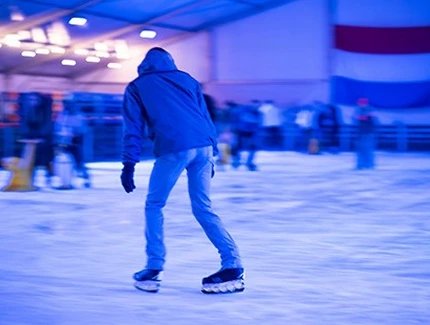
[(245, 124), (366, 133), (169, 105), (70, 129)]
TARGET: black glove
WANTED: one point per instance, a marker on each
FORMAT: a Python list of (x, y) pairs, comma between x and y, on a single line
[(127, 177)]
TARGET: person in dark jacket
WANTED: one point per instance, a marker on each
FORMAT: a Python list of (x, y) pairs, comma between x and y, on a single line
[(329, 126), (36, 123), (246, 121), (168, 104)]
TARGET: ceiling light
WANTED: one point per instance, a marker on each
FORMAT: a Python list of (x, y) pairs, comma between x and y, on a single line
[(16, 14), (68, 62), (42, 50), (58, 34), (38, 35), (101, 54), (81, 51), (101, 47), (28, 54), (13, 43), (12, 40), (57, 50), (114, 65), (93, 59), (146, 33), (23, 35), (78, 21), (121, 49)]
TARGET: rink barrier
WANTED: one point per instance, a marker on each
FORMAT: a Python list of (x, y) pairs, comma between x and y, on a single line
[(396, 137), (103, 142)]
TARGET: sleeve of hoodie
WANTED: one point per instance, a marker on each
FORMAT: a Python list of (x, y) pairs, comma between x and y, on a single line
[(133, 125)]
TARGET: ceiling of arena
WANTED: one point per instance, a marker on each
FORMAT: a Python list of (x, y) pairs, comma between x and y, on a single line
[(37, 35)]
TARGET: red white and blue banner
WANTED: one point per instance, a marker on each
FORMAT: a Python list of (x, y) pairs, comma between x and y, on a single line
[(382, 52)]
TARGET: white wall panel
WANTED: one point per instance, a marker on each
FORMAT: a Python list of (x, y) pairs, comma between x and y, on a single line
[(2, 82), (283, 53), (192, 55), (383, 13), (387, 68), (289, 42), (26, 83)]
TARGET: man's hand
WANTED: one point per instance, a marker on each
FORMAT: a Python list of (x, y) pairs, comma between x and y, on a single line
[(127, 177)]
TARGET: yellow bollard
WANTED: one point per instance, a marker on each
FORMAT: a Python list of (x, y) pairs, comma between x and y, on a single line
[(224, 146), (21, 177), (224, 153)]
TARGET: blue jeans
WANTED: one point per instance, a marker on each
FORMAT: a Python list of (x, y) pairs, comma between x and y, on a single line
[(199, 164), (366, 151)]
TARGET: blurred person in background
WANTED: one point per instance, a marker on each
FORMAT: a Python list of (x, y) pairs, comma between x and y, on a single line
[(366, 124), (329, 125), (272, 124), (304, 123), (225, 135), (36, 123), (245, 122), (316, 134), (168, 104), (70, 130)]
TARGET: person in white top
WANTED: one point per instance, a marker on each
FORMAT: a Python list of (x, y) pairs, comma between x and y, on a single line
[(272, 124)]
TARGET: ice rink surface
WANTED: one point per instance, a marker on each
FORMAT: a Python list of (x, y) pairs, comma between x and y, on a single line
[(322, 243)]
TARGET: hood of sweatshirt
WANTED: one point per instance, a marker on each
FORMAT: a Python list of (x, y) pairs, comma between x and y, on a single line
[(157, 59)]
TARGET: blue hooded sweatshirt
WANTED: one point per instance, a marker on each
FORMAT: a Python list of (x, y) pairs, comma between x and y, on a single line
[(168, 104)]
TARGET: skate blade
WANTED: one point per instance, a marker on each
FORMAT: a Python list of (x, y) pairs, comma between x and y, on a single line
[(224, 287), (147, 286)]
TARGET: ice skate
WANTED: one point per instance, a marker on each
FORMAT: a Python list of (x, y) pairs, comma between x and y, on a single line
[(224, 281), (148, 280), (252, 167)]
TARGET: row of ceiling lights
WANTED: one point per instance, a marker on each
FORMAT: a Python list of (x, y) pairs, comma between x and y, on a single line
[(81, 21), (101, 51), (56, 40)]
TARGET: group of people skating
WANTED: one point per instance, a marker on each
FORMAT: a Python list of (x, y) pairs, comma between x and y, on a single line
[(168, 105), (243, 129), (315, 128)]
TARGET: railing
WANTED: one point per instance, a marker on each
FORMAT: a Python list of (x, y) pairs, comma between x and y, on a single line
[(103, 142), (396, 137)]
